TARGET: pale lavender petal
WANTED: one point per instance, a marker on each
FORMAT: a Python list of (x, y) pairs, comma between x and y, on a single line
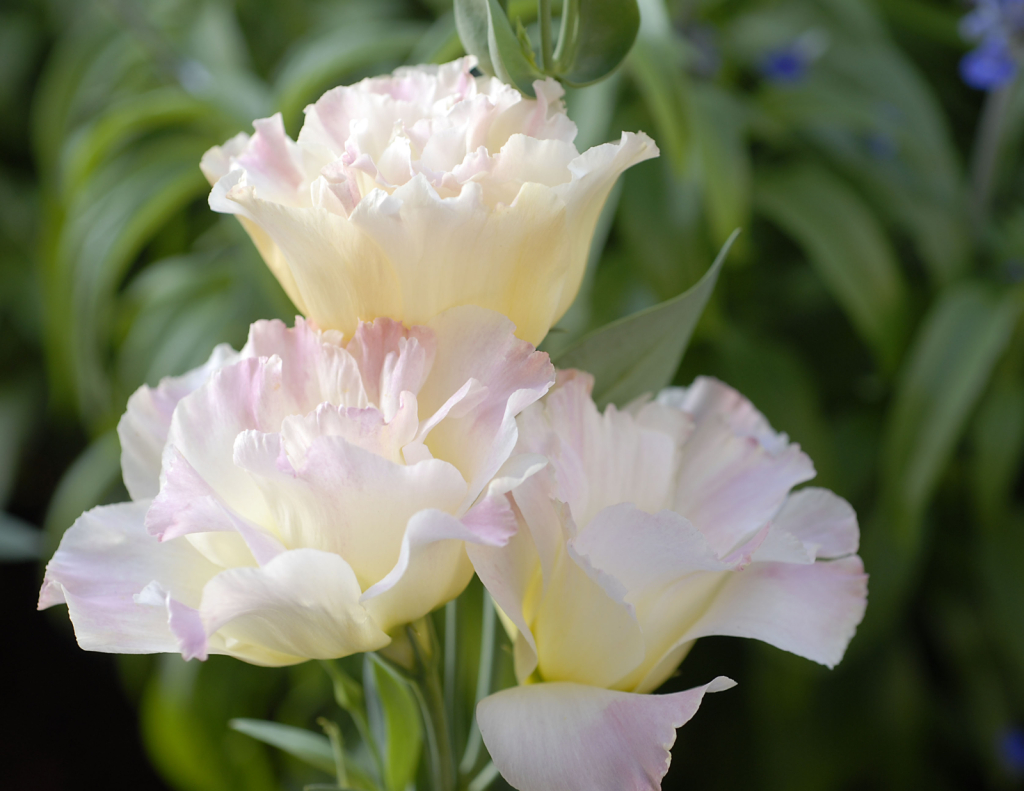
[(105, 560), (810, 610), (572, 737), (822, 520)]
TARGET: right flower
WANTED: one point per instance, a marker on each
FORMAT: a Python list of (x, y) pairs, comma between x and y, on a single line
[(667, 521)]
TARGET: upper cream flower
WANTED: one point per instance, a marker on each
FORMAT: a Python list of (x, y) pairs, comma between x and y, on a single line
[(413, 193), (304, 497)]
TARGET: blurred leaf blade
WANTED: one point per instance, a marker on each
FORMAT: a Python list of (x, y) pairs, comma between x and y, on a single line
[(848, 248), (312, 748)]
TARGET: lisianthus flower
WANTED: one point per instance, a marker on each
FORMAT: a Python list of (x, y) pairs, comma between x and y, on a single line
[(409, 194), (652, 526), (306, 496)]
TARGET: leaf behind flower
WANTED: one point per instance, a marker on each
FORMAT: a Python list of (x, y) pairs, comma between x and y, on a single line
[(639, 354)]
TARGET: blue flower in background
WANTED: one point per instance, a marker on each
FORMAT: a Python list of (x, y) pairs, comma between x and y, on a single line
[(998, 27), (786, 65), (1011, 751), (789, 64)]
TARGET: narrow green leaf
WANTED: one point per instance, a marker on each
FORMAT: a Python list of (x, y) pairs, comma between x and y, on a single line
[(848, 247), (655, 65), (596, 37), (948, 368), (18, 540), (510, 62), (395, 720), (640, 353), (309, 747), (998, 440)]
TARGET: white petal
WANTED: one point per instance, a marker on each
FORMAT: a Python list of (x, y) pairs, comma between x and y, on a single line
[(343, 499), (577, 738), (304, 604), (594, 173), (432, 567)]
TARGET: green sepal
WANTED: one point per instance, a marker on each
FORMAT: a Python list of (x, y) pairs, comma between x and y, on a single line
[(595, 38)]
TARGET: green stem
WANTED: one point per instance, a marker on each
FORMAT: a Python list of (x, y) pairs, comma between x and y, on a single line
[(986, 153), (483, 683), (547, 46), (430, 695)]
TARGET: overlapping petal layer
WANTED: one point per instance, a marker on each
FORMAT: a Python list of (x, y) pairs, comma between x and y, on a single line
[(347, 216), (652, 526), (307, 495)]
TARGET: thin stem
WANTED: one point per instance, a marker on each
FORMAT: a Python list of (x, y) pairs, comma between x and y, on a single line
[(430, 695), (334, 734), (547, 46), (483, 683), (986, 153), (451, 618)]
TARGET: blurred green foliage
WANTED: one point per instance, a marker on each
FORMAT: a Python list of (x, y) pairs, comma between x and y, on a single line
[(871, 308)]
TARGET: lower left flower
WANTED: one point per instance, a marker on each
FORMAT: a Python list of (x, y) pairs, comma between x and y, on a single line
[(306, 496)]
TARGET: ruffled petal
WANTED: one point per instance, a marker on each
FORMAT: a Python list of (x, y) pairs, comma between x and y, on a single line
[(594, 173), (603, 459), (572, 737), (304, 604), (105, 561), (479, 435), (144, 425), (734, 473), (510, 258), (340, 498), (432, 567)]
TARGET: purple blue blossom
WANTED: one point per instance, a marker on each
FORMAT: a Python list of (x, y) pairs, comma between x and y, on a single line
[(789, 64), (1011, 751), (998, 27)]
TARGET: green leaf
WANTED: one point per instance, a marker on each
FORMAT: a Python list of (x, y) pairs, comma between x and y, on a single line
[(18, 539), (640, 353), (948, 368), (595, 38), (847, 246), (473, 22), (309, 747), (998, 440), (395, 721), (655, 65), (511, 63)]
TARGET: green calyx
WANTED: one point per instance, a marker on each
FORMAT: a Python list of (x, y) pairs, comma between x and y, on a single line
[(594, 38)]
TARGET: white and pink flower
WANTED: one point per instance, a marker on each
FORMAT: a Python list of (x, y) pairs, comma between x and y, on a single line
[(409, 194), (306, 496), (653, 526)]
